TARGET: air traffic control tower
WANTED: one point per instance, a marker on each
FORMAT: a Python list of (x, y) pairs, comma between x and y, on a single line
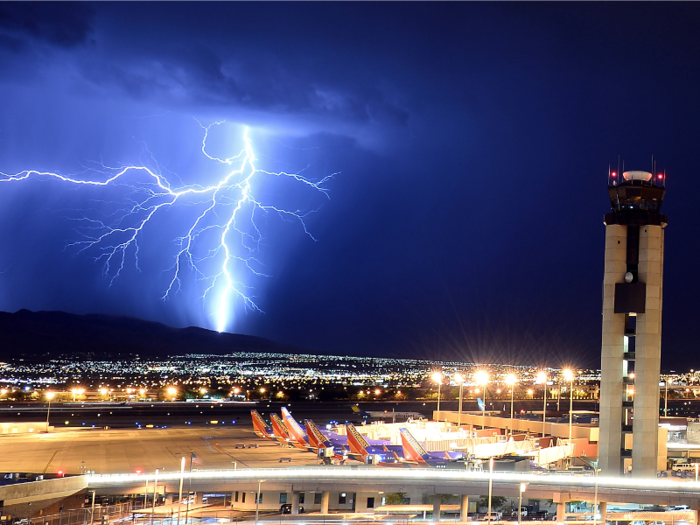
[(631, 347)]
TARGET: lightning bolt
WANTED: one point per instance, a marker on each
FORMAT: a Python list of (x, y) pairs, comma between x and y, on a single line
[(220, 237)]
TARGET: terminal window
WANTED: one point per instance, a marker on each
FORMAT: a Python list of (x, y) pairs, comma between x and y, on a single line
[(342, 498), (370, 503), (317, 498), (283, 497)]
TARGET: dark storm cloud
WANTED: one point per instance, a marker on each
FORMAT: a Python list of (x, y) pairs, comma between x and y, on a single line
[(238, 56), (62, 24)]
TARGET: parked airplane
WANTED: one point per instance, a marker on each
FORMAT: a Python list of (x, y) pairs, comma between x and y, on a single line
[(261, 428), (279, 428), (359, 444), (331, 447), (296, 433), (414, 453)]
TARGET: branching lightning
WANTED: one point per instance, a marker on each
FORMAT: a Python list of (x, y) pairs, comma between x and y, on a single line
[(222, 234)]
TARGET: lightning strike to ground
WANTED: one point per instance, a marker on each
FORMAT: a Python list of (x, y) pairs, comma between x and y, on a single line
[(220, 237)]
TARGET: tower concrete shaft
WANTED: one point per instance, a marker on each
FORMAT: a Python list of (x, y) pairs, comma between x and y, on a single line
[(631, 342)]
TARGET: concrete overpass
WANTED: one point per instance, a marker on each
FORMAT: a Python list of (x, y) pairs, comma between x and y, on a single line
[(328, 479)]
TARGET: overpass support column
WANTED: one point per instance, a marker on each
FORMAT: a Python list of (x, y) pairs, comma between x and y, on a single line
[(295, 503), (464, 511), (436, 507), (561, 511), (325, 498), (603, 510), (696, 516)]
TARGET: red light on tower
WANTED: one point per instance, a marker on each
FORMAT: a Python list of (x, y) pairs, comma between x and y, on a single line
[(660, 176), (613, 174)]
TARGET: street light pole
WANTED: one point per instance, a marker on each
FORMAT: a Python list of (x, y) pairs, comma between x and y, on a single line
[(595, 504), (155, 496), (49, 396), (488, 516), (511, 380), (520, 503), (482, 378), (437, 377), (542, 377), (460, 380), (179, 498), (569, 376), (257, 501)]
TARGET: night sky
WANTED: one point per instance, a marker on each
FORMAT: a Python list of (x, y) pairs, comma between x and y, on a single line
[(470, 144)]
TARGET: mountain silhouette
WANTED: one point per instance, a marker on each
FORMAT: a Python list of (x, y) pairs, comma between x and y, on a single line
[(38, 336)]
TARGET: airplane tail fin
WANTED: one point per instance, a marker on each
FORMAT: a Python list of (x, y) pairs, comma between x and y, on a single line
[(316, 438), (358, 444), (412, 449), (259, 426), (295, 430), (279, 428)]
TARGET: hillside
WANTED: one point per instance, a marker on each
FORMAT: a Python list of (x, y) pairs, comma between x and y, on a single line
[(38, 335)]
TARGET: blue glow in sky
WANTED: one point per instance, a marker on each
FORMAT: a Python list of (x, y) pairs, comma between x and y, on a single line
[(215, 220), (473, 140)]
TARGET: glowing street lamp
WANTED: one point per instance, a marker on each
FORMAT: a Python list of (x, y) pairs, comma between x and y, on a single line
[(437, 377), (482, 378), (511, 380), (459, 378), (542, 378), (49, 396), (78, 392), (569, 376), (172, 392)]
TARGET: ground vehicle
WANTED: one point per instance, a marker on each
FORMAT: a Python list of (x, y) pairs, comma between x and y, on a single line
[(287, 509), (494, 516), (523, 512)]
